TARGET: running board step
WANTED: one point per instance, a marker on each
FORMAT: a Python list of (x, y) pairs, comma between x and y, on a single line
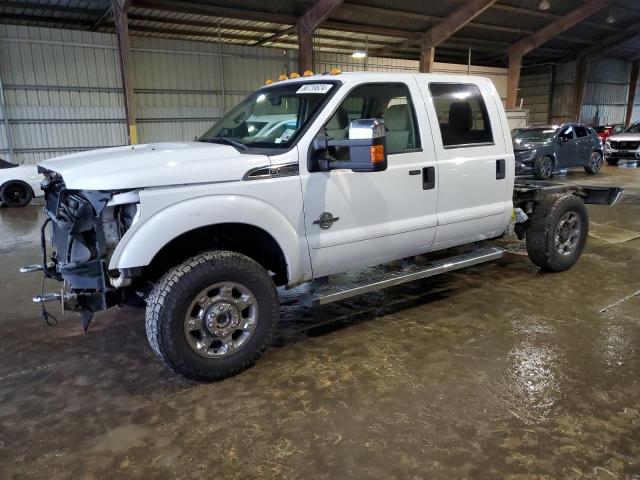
[(332, 293)]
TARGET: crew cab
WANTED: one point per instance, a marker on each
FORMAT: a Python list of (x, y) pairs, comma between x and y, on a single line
[(304, 179)]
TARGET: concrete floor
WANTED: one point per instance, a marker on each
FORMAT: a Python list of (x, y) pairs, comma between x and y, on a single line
[(498, 371)]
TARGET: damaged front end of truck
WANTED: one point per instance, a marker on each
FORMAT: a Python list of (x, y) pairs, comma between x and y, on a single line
[(77, 239)]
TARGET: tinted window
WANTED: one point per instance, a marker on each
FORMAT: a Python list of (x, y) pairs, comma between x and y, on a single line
[(581, 131), (566, 133), (389, 101), (462, 114)]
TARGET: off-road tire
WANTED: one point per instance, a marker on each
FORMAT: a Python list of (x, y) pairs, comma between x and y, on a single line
[(541, 232), (613, 161), (168, 302), (595, 164), (8, 190), (541, 168)]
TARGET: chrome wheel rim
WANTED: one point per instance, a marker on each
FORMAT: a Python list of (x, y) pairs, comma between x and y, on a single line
[(595, 161), (221, 319), (568, 233), (546, 167)]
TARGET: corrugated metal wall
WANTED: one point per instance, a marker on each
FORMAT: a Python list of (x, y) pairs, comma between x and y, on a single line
[(181, 88), (63, 88), (62, 91), (535, 91), (605, 97), (324, 62)]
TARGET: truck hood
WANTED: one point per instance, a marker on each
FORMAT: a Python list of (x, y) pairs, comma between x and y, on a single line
[(624, 137), (153, 165)]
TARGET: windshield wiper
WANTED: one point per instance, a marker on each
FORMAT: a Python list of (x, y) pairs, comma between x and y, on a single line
[(227, 140)]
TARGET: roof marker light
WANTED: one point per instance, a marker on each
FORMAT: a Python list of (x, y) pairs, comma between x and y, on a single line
[(294, 75), (268, 82), (335, 71), (283, 77), (307, 73)]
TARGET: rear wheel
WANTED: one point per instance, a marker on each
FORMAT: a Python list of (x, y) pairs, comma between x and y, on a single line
[(212, 316), (595, 163), (16, 194), (543, 168), (558, 232), (612, 161)]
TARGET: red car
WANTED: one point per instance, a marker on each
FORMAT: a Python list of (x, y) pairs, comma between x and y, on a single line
[(605, 131)]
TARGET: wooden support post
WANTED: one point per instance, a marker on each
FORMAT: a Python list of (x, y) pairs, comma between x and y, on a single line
[(633, 86), (120, 8), (580, 85), (427, 56), (306, 25), (513, 79)]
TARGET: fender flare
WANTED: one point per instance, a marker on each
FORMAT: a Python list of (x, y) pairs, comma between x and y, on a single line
[(146, 238)]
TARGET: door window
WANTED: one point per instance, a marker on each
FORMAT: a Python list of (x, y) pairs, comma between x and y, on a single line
[(462, 115), (567, 133), (389, 101), (581, 131)]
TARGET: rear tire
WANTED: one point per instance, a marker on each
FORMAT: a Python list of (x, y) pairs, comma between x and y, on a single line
[(16, 193), (595, 163), (558, 232), (612, 161), (543, 168), (212, 316)]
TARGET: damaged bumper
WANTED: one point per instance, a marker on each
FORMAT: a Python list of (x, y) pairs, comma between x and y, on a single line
[(77, 239)]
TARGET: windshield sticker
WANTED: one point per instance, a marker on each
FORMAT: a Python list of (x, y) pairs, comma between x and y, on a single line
[(288, 133), (315, 88)]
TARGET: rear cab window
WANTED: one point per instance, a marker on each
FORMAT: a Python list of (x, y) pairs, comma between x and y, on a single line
[(462, 115)]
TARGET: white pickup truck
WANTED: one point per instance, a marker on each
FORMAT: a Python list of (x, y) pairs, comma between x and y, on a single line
[(304, 179)]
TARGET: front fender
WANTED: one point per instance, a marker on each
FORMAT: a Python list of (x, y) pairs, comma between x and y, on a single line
[(148, 236)]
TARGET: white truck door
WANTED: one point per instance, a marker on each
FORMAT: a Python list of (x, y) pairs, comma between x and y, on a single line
[(357, 219), (473, 160)]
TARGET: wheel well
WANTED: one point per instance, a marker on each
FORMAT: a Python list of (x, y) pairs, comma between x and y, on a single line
[(18, 181), (249, 240)]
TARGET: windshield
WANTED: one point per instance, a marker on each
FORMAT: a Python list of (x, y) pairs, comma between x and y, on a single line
[(535, 135), (271, 117), (635, 128)]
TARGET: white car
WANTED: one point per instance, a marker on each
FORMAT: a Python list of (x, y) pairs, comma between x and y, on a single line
[(19, 184)]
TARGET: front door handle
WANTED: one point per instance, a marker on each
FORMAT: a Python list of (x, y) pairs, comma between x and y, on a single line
[(428, 178), (501, 169)]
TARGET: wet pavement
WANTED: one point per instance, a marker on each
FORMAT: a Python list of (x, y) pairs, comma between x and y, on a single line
[(498, 371)]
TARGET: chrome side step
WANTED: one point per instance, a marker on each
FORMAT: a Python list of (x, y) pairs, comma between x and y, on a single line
[(331, 293), (31, 268)]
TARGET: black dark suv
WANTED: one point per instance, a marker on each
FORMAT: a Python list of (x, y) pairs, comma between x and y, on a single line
[(543, 150)]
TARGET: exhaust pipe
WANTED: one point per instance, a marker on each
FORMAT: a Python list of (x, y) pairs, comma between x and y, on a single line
[(47, 297)]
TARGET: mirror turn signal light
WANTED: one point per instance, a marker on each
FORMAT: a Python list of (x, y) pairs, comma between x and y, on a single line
[(307, 73), (294, 75), (335, 71), (377, 153)]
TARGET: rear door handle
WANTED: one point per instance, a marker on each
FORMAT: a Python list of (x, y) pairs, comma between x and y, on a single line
[(428, 178), (501, 169)]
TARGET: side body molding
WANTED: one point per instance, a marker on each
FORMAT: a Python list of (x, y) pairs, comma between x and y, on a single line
[(156, 228)]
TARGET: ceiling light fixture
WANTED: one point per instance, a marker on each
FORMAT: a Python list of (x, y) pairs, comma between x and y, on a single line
[(611, 18), (359, 54), (544, 5)]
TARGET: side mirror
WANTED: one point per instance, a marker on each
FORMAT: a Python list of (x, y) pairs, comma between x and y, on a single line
[(367, 147)]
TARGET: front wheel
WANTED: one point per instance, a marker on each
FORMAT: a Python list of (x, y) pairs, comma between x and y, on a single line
[(558, 232), (16, 194), (543, 168), (595, 163), (212, 316)]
